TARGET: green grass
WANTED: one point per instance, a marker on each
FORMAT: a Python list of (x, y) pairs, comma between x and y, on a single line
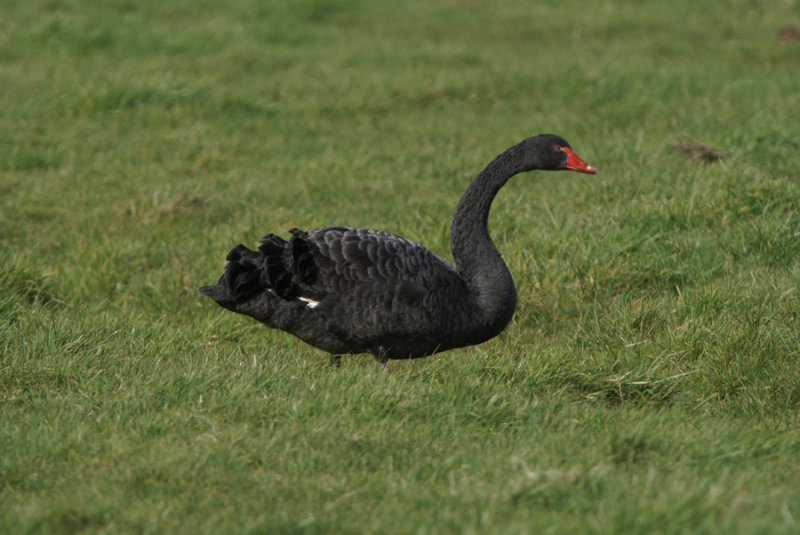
[(650, 380)]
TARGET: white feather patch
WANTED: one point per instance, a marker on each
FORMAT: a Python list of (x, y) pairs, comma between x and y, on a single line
[(310, 303)]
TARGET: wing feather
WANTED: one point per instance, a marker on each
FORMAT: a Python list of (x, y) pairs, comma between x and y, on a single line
[(387, 256), (370, 286)]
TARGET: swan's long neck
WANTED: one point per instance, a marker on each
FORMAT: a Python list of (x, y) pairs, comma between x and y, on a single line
[(475, 255)]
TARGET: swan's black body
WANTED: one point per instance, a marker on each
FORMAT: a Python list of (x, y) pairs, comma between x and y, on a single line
[(347, 290)]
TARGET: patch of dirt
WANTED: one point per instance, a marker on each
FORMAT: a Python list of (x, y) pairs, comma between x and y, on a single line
[(697, 152), (787, 34)]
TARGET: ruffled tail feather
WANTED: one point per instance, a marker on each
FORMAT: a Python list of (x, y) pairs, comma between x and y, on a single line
[(243, 279)]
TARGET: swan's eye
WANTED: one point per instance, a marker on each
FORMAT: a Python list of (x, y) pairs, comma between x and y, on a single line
[(556, 148)]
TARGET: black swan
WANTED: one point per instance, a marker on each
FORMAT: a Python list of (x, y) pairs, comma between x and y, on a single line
[(350, 290)]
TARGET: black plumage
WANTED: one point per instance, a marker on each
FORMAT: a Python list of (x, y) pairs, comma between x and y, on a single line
[(349, 290)]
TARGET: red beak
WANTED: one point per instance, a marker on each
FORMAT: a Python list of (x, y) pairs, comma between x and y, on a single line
[(574, 163)]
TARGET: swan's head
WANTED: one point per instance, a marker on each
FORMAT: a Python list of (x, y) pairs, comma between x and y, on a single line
[(551, 152)]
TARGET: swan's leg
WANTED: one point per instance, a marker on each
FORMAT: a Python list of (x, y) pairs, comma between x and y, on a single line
[(335, 361), (381, 358)]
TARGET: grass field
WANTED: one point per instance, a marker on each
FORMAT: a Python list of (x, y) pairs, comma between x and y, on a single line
[(649, 382)]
